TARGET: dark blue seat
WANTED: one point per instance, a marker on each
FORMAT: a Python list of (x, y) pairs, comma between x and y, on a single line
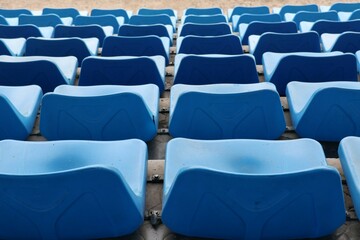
[(12, 46), (24, 31), (326, 26), (159, 30), (116, 12), (86, 31), (102, 20), (152, 19), (215, 29), (344, 42)]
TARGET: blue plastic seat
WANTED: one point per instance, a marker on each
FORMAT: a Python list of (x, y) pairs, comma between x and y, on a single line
[(240, 10), (251, 189), (102, 20), (72, 189), (87, 31), (258, 28), (296, 8), (150, 11), (123, 71), (116, 12), (224, 111), (62, 12), (249, 18), (215, 29), (203, 11), (14, 13), (12, 46), (163, 19), (311, 17), (344, 42), (68, 112), (19, 106), (62, 47), (283, 43), (3, 21), (214, 68), (48, 20), (204, 19), (324, 111), (136, 46), (326, 26), (347, 16), (341, 7), (282, 68), (348, 154), (223, 44), (145, 30), (46, 72), (25, 31)]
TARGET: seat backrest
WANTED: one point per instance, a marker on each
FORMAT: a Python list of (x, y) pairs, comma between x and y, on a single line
[(249, 18), (21, 31), (205, 19), (62, 12), (347, 42), (3, 21), (87, 31), (116, 12), (148, 11), (13, 13), (143, 30), (355, 15), (64, 181), (345, 6), (240, 10), (215, 29), (48, 20), (314, 16), (326, 26), (150, 19), (297, 8), (102, 20), (203, 11)]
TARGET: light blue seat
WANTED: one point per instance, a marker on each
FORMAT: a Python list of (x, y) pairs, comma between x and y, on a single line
[(163, 19), (204, 19), (341, 7), (63, 12), (62, 47), (248, 18), (48, 20), (72, 189), (223, 44), (203, 11), (347, 16), (136, 46), (215, 29), (19, 106), (240, 10), (214, 68), (325, 111), (126, 14), (295, 8), (12, 46), (311, 16), (102, 20), (282, 68), (159, 30), (348, 153), (344, 42), (251, 189), (223, 111), (122, 112), (258, 28), (25, 31), (87, 31), (123, 71), (326, 26), (283, 43), (46, 72)]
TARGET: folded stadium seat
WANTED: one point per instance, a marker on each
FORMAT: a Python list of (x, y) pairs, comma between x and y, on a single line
[(86, 31), (223, 44), (283, 43), (203, 11), (223, 111), (240, 10), (64, 12), (167, 11), (68, 112), (282, 68), (295, 8), (341, 7), (46, 72), (326, 26), (123, 71), (344, 42), (47, 20), (324, 111), (145, 30), (215, 29), (153, 19), (12, 15), (204, 19), (348, 154), (25, 31), (248, 18), (304, 16), (126, 14), (214, 68), (102, 20), (72, 189), (251, 189), (62, 47), (12, 46), (347, 16), (19, 106), (136, 46), (258, 28)]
